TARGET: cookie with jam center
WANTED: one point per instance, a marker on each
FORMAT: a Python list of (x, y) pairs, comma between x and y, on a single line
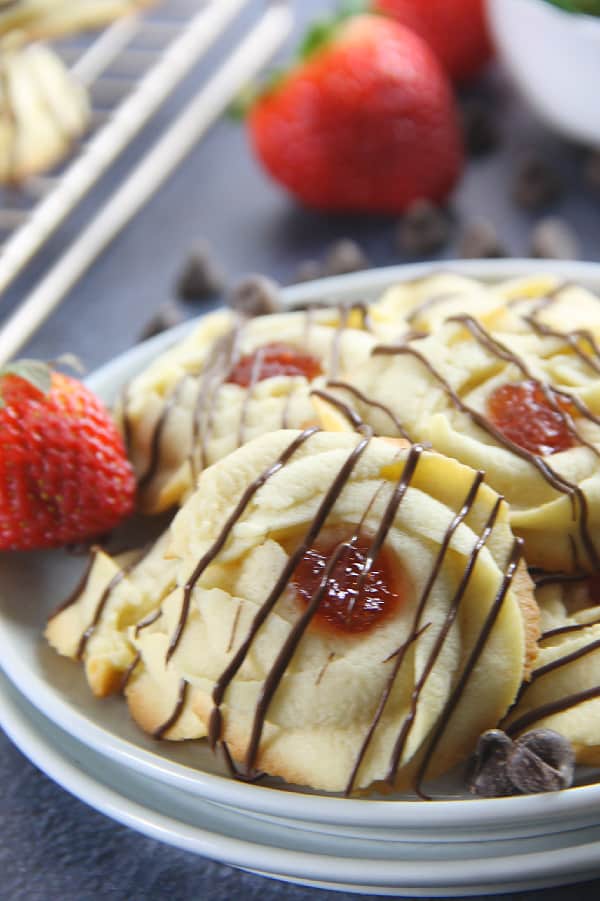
[(229, 381), (522, 405), (350, 612)]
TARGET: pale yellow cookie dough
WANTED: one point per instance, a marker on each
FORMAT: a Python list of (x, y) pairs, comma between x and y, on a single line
[(436, 388), (115, 594), (564, 692), (43, 110), (181, 415), (326, 701)]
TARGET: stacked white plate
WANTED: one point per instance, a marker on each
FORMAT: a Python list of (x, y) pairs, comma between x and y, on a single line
[(180, 794)]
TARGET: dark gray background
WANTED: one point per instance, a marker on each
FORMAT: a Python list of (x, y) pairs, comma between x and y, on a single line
[(51, 845)]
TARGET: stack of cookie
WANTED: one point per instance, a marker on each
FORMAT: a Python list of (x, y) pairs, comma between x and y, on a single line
[(43, 108), (386, 535)]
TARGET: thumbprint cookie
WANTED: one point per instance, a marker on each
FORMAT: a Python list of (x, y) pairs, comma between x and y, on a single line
[(350, 612)]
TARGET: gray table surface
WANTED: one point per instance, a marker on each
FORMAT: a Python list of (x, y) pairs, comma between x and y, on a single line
[(51, 845)]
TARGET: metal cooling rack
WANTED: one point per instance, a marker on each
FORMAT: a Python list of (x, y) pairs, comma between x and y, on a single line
[(130, 69)]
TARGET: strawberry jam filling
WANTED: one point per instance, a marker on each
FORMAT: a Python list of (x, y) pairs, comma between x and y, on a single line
[(523, 414), (353, 601), (271, 360)]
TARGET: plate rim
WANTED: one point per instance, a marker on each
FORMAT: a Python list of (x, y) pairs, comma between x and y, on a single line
[(574, 862)]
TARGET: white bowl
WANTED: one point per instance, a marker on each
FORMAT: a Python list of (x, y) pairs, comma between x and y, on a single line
[(554, 58)]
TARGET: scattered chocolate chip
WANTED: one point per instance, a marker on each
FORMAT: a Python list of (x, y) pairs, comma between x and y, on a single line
[(539, 761), (536, 185), (167, 316), (481, 134), (308, 270), (554, 239), (255, 295), (489, 778), (479, 240), (543, 760), (423, 229), (345, 256), (201, 276), (591, 170)]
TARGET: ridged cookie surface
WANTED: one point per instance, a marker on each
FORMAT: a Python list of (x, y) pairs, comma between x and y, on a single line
[(524, 406), (349, 611), (186, 411)]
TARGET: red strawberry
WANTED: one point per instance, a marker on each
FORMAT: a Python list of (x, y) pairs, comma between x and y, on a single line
[(64, 475), (455, 29), (366, 121)]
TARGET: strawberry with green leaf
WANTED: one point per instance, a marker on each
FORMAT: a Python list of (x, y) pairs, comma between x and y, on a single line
[(364, 121), (64, 473)]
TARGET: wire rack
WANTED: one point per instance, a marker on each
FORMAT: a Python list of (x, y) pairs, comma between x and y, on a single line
[(130, 69)]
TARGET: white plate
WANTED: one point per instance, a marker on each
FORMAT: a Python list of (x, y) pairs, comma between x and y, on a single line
[(360, 865), (31, 585)]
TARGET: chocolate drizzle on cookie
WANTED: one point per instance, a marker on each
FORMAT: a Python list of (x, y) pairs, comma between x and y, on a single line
[(212, 377), (554, 479), (178, 710), (560, 704), (368, 401), (219, 543), (287, 651)]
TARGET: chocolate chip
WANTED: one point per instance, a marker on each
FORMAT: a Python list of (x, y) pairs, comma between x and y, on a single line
[(489, 778), (345, 256), (479, 240), (539, 761), (554, 749), (201, 276), (536, 185), (167, 316), (554, 239), (255, 295), (591, 170), (481, 134), (423, 229), (308, 270)]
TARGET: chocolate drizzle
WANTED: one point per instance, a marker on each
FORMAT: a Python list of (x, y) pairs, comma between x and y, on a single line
[(87, 634), (179, 707), (456, 521), (551, 709), (104, 598), (347, 412), (298, 629), (554, 479), (157, 433), (219, 543), (572, 339), (286, 653), (127, 675), (345, 386), (429, 303), (223, 356), (565, 630), (147, 621), (556, 664), (502, 352), (492, 616)]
